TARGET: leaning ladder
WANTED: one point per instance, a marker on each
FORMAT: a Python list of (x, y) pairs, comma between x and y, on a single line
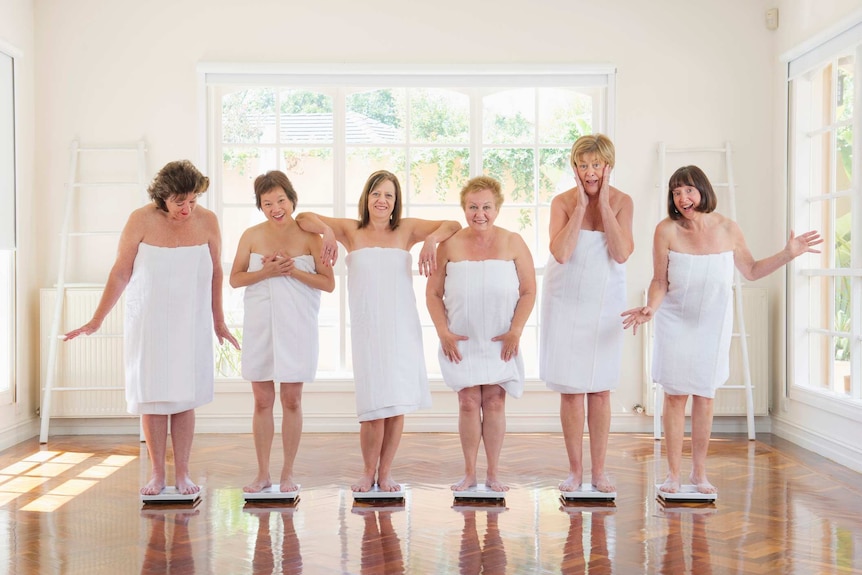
[(73, 186), (663, 153)]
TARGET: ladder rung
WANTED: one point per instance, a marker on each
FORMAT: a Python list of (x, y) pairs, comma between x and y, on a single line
[(103, 233), (105, 184)]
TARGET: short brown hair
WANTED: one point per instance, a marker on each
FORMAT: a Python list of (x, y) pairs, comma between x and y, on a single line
[(179, 178), (694, 177), (273, 179), (371, 183), (598, 144), (480, 183)]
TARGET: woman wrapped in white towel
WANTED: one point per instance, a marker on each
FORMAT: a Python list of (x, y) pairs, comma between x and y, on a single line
[(584, 293), (694, 252), (282, 271), (479, 299), (386, 337)]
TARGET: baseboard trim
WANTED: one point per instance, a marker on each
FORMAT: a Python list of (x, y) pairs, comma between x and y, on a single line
[(832, 448)]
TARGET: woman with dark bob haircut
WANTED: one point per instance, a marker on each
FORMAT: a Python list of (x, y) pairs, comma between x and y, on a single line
[(695, 250), (169, 258), (388, 358)]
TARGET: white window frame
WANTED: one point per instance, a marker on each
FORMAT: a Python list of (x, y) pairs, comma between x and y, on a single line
[(8, 192), (374, 76), (844, 39)]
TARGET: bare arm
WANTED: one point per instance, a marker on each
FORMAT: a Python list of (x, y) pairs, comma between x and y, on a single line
[(754, 270), (658, 286), (434, 291), (617, 224), (332, 229), (219, 326), (432, 232), (565, 226), (526, 297), (120, 274), (323, 278)]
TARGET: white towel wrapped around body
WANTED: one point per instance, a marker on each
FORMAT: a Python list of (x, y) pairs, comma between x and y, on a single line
[(279, 334), (168, 330), (581, 338), (694, 324), (480, 299), (386, 337)]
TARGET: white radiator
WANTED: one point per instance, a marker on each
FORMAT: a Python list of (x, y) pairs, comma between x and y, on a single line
[(94, 361), (732, 401)]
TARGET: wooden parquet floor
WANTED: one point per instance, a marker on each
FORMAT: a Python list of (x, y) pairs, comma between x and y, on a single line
[(71, 507)]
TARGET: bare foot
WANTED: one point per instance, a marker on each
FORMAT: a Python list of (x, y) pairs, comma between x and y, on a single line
[(287, 484), (365, 483), (670, 485), (154, 487), (572, 483), (496, 485), (258, 485), (703, 485), (603, 484), (387, 485), (465, 484), (186, 486)]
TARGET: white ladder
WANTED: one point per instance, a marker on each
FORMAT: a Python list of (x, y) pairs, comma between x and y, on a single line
[(73, 186), (726, 151)]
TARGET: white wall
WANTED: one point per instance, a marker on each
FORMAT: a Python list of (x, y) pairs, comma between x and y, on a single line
[(17, 421), (806, 420), (689, 73)]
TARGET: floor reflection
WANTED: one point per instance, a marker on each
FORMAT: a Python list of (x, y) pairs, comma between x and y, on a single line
[(381, 547), (169, 548), (679, 553), (598, 561), (276, 551), (489, 556)]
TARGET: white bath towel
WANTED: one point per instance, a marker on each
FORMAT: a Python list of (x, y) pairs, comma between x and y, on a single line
[(388, 359), (169, 330), (581, 338), (480, 299), (693, 325), (279, 331)]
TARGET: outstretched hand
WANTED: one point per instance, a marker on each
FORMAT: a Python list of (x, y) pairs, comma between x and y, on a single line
[(86, 329), (634, 317), (798, 245)]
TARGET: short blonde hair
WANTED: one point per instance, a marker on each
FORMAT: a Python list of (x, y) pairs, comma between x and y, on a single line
[(598, 144), (480, 183)]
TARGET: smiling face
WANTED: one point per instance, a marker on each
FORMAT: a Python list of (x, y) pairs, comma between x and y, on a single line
[(480, 209), (276, 206), (590, 169), (381, 200), (180, 207), (687, 200)]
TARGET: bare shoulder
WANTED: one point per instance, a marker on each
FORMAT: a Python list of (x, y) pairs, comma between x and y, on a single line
[(564, 201), (620, 198)]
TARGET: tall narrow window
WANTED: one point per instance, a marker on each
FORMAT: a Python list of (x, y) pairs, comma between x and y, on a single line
[(7, 226), (825, 91), (434, 131)]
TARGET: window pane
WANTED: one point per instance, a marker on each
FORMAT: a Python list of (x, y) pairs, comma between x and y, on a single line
[(375, 117), (305, 117), (521, 221), (555, 174), (311, 172), (819, 358), (514, 167), (439, 116), (437, 174), (248, 116), (240, 166), (564, 116), (509, 117), (362, 162)]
